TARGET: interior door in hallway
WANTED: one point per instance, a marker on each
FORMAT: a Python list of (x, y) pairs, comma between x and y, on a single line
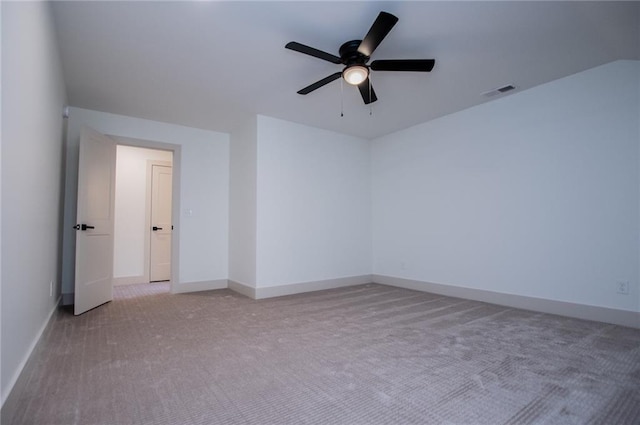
[(160, 244), (94, 228)]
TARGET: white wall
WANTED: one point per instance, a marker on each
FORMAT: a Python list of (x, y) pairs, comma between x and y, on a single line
[(131, 209), (313, 204), (242, 204), (535, 194), (203, 194), (33, 96)]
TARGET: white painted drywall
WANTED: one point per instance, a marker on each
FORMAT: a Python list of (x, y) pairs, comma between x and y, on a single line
[(33, 96), (204, 190), (313, 204), (535, 194), (130, 227), (242, 204)]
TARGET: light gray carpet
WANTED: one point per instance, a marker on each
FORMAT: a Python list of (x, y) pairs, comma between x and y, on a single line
[(368, 354)]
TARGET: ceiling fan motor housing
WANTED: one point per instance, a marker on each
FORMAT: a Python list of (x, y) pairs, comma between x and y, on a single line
[(349, 54), (356, 70)]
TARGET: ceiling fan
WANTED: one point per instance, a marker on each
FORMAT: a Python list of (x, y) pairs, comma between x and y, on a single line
[(355, 54)]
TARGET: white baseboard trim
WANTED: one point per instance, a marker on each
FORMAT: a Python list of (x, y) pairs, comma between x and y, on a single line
[(297, 288), (14, 378), (205, 285), (242, 289), (129, 280), (562, 308)]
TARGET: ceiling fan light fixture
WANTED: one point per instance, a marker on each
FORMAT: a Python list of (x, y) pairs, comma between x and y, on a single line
[(355, 74)]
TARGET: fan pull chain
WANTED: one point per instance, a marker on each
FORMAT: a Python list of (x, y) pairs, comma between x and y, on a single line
[(370, 102), (341, 97)]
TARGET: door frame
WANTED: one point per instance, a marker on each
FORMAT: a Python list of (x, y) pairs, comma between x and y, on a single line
[(175, 199)]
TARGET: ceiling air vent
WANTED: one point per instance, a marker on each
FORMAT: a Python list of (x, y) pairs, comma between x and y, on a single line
[(499, 90)]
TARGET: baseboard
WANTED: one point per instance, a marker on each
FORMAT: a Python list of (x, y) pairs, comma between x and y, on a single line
[(205, 285), (318, 285), (129, 280), (242, 289), (14, 378), (561, 308), (296, 288)]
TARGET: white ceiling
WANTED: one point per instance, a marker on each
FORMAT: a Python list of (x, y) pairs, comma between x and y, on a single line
[(213, 64)]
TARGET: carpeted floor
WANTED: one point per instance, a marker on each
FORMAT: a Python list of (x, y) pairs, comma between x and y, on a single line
[(367, 354)]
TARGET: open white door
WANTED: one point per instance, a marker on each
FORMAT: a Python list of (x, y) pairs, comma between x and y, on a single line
[(160, 244), (94, 231)]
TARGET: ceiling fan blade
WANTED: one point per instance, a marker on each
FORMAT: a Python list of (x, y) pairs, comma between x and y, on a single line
[(320, 83), (378, 31), (365, 90), (292, 45), (416, 65)]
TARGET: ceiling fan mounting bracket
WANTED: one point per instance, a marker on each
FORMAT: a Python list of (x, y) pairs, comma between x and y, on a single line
[(349, 54)]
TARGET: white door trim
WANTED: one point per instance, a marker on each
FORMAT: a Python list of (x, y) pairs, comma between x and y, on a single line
[(175, 209)]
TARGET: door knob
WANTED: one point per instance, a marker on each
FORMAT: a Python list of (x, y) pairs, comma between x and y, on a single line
[(83, 227), (154, 228)]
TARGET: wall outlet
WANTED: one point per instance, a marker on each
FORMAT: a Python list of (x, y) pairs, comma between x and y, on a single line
[(622, 287), (51, 288)]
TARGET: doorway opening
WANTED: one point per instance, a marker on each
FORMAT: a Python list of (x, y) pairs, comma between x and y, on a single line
[(143, 224)]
